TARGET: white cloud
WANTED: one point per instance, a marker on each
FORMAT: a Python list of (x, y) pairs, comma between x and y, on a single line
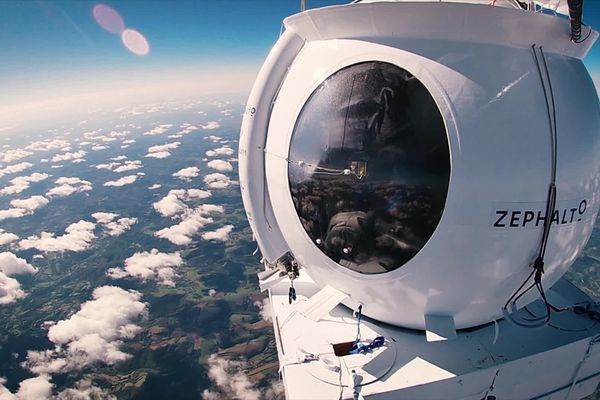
[(221, 151), (104, 217), (9, 156), (264, 309), (128, 141), (20, 183), (121, 157), (182, 232), (173, 202), (169, 205), (37, 388), (221, 234), (13, 169), (77, 237), (211, 125), (12, 213), (220, 165), (10, 288), (48, 144), (93, 334), (129, 166), (152, 265), (99, 147), (198, 194), (162, 151), (22, 207), (159, 130), (30, 204), (217, 181), (186, 174), (192, 220), (66, 186), (108, 166), (69, 156), (126, 180), (7, 237), (213, 138), (85, 390), (230, 380), (112, 227), (155, 186), (12, 265)]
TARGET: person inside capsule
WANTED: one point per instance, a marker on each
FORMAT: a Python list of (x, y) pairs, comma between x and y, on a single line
[(369, 167)]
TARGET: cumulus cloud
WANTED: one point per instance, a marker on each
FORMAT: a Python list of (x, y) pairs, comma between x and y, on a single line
[(230, 380), (48, 144), (211, 125), (128, 141), (7, 237), (85, 390), (171, 204), (9, 156), (37, 388), (162, 151), (155, 186), (66, 186), (119, 158), (220, 235), (108, 166), (129, 166), (186, 174), (181, 233), (159, 130), (264, 309), (20, 183), (152, 265), (220, 165), (217, 181), (15, 168), (213, 138), (196, 194), (221, 151), (70, 156), (12, 213), (22, 207), (126, 180), (113, 226), (10, 265), (77, 237), (30, 204), (93, 334), (99, 147)]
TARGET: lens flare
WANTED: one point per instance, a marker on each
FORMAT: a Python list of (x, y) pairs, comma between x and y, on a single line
[(108, 19), (135, 42)]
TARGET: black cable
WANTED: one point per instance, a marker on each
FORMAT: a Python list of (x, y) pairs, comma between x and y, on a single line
[(538, 264)]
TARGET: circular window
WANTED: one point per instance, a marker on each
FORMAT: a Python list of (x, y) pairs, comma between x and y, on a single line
[(369, 167)]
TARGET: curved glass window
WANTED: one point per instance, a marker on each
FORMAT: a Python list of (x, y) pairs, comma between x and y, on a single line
[(369, 167)]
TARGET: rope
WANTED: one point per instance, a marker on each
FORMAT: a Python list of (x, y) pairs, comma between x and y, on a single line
[(510, 308)]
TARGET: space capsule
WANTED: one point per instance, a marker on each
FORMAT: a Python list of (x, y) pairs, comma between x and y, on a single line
[(429, 161)]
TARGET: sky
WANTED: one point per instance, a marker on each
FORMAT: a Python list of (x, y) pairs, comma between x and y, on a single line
[(54, 55)]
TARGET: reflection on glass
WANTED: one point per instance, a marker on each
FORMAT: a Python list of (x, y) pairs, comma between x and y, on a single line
[(369, 167)]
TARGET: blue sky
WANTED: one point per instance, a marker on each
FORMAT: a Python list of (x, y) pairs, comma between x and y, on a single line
[(55, 49)]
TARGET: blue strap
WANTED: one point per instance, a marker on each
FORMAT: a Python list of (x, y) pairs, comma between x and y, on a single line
[(360, 348)]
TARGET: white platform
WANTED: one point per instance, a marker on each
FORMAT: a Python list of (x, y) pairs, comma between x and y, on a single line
[(559, 361)]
